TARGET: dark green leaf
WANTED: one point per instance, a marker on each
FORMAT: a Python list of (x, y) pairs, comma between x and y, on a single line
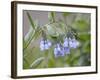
[(84, 37)]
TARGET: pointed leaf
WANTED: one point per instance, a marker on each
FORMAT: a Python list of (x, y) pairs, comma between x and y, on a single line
[(28, 37), (37, 62), (30, 20), (32, 35)]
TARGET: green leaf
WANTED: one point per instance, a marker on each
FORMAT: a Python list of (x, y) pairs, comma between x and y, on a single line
[(32, 32), (30, 20), (28, 37), (51, 16), (63, 26), (87, 47), (24, 43), (33, 35), (51, 60), (81, 25), (26, 63), (37, 62), (84, 37), (51, 30), (85, 60), (37, 33)]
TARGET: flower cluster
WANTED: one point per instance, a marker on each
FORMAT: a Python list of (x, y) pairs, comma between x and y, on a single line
[(72, 43), (45, 44), (60, 49)]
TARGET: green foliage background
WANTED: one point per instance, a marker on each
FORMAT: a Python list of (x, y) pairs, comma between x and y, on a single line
[(79, 25)]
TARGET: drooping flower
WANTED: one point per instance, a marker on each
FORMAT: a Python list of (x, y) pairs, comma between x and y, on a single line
[(73, 43), (58, 50), (65, 44), (70, 43), (45, 45), (66, 50)]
